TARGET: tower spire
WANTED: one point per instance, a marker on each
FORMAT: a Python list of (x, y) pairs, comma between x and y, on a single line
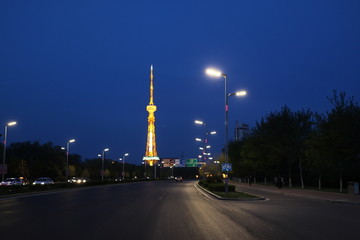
[(151, 86), (151, 153)]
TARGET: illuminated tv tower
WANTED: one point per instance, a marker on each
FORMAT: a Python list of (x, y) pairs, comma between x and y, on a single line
[(151, 153)]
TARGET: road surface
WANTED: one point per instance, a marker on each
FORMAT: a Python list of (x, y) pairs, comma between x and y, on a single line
[(170, 210)]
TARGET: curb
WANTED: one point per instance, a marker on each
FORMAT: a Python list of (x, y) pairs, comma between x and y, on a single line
[(313, 197), (259, 198)]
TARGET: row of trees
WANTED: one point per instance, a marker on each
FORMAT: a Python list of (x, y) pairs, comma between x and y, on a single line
[(305, 147), (32, 160)]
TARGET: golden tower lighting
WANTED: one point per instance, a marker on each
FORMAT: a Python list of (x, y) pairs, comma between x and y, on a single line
[(151, 155)]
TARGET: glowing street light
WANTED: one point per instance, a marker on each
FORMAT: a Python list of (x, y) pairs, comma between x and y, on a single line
[(216, 73), (67, 157), (123, 171), (199, 122), (9, 124), (102, 163), (205, 140)]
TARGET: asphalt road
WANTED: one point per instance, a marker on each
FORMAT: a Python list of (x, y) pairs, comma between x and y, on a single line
[(170, 210)]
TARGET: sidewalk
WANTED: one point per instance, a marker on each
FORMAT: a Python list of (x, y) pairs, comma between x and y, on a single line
[(296, 192)]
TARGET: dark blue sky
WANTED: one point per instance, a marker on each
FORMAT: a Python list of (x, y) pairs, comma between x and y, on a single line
[(80, 69)]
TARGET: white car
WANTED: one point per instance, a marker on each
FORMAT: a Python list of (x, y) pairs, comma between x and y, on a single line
[(43, 181), (11, 182)]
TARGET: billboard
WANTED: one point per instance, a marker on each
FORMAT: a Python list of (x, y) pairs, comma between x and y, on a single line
[(168, 162)]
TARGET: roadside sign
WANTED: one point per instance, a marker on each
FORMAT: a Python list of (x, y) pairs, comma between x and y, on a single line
[(192, 162), (226, 167)]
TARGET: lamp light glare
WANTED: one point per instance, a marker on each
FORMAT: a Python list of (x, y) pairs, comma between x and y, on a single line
[(213, 72), (11, 123), (199, 122), (241, 93)]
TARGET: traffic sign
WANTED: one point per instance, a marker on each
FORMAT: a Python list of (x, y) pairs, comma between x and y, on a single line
[(192, 162), (226, 167)]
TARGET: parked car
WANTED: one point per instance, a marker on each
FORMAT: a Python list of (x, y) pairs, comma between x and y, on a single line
[(43, 181), (11, 182)]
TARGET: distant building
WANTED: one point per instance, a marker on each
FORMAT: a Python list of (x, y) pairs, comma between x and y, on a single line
[(241, 131)]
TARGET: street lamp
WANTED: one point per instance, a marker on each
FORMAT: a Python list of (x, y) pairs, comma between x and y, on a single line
[(67, 157), (102, 163), (123, 171), (216, 73), (9, 124), (205, 141), (199, 122)]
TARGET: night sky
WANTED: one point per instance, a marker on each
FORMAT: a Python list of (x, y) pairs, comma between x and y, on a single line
[(80, 69)]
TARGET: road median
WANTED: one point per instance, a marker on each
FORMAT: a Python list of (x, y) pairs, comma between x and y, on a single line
[(232, 196)]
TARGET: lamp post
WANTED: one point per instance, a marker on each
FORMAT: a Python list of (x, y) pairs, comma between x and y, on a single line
[(198, 122), (102, 163), (216, 73), (239, 93), (123, 171), (9, 124), (121, 159), (67, 158)]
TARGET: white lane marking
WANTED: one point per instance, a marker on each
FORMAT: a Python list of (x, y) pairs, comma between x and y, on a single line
[(27, 196)]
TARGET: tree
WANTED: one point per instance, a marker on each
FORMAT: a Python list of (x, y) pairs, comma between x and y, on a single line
[(336, 142), (277, 142), (72, 170), (317, 151)]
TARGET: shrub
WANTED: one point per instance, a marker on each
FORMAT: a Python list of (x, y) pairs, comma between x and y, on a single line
[(214, 179), (220, 187)]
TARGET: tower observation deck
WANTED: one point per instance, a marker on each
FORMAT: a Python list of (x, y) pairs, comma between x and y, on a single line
[(151, 155)]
